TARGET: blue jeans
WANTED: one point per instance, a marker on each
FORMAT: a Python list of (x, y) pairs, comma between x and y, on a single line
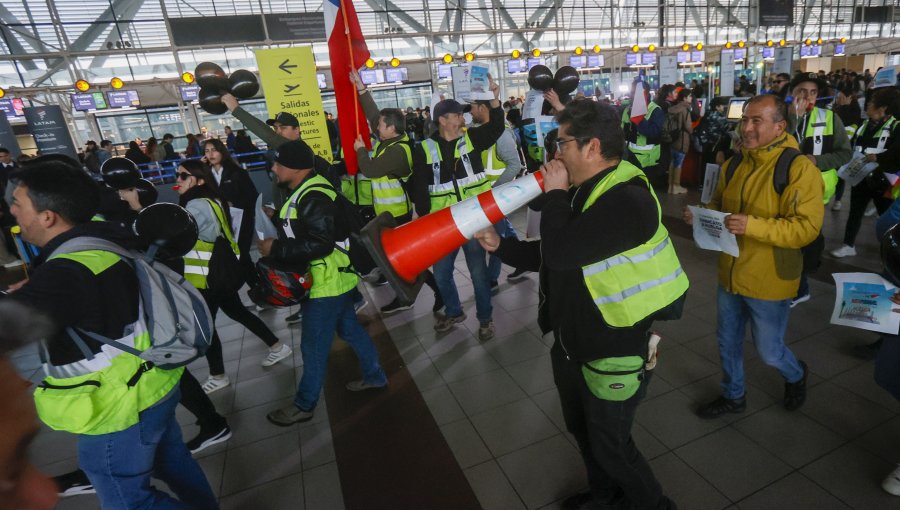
[(504, 229), (768, 322), (120, 464), (475, 260), (321, 318), (887, 365)]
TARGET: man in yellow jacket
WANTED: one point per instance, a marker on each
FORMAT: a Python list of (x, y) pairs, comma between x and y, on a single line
[(771, 227)]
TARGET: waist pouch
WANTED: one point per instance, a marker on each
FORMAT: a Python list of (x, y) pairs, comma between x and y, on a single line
[(614, 379)]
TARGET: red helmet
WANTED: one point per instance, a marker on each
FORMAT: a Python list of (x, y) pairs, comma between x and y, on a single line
[(279, 287)]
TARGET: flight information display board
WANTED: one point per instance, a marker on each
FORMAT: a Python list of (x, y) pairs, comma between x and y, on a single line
[(123, 98)]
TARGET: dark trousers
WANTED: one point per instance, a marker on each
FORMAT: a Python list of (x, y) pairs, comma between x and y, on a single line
[(859, 200), (618, 475), (887, 365), (231, 304), (197, 402), (839, 190)]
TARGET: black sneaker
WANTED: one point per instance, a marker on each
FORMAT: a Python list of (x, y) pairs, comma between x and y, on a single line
[(294, 318), (795, 393), (518, 274), (75, 483), (438, 304), (495, 286), (380, 281), (722, 405), (394, 307), (576, 501), (207, 438)]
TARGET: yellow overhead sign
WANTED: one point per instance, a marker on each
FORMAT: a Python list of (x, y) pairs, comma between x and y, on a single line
[(288, 79)]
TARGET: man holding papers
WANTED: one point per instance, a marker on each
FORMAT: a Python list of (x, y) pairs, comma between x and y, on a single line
[(772, 216)]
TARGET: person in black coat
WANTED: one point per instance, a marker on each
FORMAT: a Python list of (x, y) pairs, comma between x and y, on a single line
[(134, 153)]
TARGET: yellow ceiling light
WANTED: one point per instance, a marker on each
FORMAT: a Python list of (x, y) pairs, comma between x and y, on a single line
[(635, 48), (187, 77), (699, 46), (116, 82), (579, 50), (395, 62), (741, 44), (535, 53), (448, 58), (515, 54), (652, 48), (843, 40), (770, 43), (370, 63), (808, 42), (728, 45), (2, 92), (470, 56), (82, 85), (685, 47), (819, 41), (596, 48), (782, 42)]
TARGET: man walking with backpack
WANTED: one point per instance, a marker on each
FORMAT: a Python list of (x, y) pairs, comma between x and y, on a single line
[(773, 217), (121, 407)]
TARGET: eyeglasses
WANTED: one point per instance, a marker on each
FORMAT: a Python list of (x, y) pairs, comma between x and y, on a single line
[(780, 81), (183, 176), (559, 142)]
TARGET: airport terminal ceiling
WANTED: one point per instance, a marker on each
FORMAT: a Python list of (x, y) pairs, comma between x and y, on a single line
[(54, 43)]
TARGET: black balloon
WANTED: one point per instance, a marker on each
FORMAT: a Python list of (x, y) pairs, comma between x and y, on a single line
[(168, 226), (540, 78), (211, 76), (211, 101), (566, 80), (890, 252), (120, 173), (147, 193), (244, 84)]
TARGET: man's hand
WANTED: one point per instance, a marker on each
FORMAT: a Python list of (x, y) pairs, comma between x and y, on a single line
[(230, 102), (801, 103), (492, 85), (871, 158), (18, 285), (687, 215), (268, 211), (553, 98), (555, 176), (265, 246), (356, 80), (130, 196), (894, 299), (359, 143), (489, 239), (736, 224)]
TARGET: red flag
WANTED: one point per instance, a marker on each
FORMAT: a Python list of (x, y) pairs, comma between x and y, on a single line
[(347, 49)]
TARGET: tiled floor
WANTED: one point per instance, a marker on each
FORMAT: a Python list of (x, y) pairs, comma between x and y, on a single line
[(498, 410)]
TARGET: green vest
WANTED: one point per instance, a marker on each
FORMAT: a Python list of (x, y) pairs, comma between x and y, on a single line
[(646, 153), (883, 135), (493, 165), (445, 194), (332, 275), (357, 188), (388, 194), (818, 137), (196, 261), (104, 394), (632, 285)]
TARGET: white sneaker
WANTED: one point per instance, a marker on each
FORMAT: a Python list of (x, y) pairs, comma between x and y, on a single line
[(215, 384), (276, 356), (891, 484), (870, 211), (843, 251), (13, 264), (836, 206)]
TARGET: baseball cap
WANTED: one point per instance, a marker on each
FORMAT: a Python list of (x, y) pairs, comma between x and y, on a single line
[(449, 106), (813, 77), (285, 119), (295, 155)]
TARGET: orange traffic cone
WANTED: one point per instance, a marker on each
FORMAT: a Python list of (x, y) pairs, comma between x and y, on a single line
[(403, 253)]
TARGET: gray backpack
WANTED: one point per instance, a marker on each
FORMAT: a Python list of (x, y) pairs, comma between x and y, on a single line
[(170, 309)]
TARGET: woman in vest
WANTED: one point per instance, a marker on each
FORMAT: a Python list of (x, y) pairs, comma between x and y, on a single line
[(846, 107), (199, 194), (877, 138)]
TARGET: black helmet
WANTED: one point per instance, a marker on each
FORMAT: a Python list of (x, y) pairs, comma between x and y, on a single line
[(890, 253), (169, 227), (120, 173), (147, 193), (877, 183), (277, 286)]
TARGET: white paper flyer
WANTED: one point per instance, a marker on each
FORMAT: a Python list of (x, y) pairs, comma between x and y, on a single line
[(710, 232), (863, 300)]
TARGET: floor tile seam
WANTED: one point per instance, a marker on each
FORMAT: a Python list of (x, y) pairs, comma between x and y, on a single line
[(558, 431), (503, 472), (303, 485), (222, 483), (858, 435), (251, 443), (700, 475), (825, 488)]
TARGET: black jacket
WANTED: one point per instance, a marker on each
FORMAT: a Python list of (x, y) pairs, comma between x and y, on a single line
[(314, 231), (238, 189), (73, 296), (482, 137), (623, 218)]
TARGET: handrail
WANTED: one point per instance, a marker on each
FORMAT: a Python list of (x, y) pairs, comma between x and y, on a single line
[(163, 172)]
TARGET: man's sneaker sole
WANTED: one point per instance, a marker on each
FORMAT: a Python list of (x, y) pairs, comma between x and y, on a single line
[(224, 435), (79, 490), (802, 299), (271, 360), (387, 311)]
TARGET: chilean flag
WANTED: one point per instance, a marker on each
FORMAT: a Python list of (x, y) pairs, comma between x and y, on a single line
[(639, 101), (347, 49)]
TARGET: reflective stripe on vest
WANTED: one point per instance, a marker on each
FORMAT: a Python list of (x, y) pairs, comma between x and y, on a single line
[(106, 393), (646, 153), (818, 137), (632, 285), (445, 194), (332, 274), (884, 134), (490, 160), (196, 261), (388, 194)]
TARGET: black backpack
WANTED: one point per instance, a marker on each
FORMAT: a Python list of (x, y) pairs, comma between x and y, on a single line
[(348, 223), (812, 253)]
